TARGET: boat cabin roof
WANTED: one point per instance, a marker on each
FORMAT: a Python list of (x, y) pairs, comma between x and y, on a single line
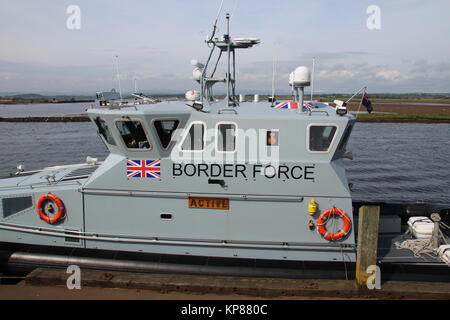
[(245, 108)]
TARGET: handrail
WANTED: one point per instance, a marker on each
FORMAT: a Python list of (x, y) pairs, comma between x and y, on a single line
[(228, 109), (75, 234), (324, 111)]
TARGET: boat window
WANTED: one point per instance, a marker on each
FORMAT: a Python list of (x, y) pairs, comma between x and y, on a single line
[(226, 137), (133, 134), (14, 205), (165, 130), (344, 140), (320, 137), (103, 129), (194, 140)]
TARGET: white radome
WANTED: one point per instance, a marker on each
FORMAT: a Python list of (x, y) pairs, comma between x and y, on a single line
[(197, 64), (301, 77), (197, 74), (192, 95)]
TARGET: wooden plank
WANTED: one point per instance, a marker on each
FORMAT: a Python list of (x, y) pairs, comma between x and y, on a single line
[(366, 255), (46, 281)]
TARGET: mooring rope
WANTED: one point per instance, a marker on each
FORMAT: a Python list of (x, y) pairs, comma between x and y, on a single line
[(421, 246), (418, 247)]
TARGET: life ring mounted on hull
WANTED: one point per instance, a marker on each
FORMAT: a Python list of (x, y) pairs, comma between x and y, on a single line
[(321, 221), (50, 201)]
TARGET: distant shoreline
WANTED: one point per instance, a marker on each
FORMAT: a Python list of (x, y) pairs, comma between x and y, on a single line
[(46, 119), (401, 118), (398, 110), (37, 101), (366, 118), (381, 99)]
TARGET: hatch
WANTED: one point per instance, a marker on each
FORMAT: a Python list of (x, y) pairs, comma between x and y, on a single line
[(80, 173)]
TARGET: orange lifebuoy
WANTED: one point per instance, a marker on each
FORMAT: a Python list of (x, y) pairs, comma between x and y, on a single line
[(323, 219), (59, 204)]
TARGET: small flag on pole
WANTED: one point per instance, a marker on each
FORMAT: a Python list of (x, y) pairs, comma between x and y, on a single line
[(308, 106), (367, 103)]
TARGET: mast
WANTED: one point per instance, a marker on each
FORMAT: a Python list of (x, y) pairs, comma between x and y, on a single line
[(312, 77), (118, 77), (272, 98), (225, 45), (229, 58)]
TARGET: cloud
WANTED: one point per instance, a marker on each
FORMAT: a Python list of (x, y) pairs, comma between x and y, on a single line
[(420, 66), (337, 74), (42, 53), (392, 75), (441, 67)]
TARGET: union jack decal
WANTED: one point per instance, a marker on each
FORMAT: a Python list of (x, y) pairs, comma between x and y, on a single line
[(294, 105), (144, 168), (286, 105)]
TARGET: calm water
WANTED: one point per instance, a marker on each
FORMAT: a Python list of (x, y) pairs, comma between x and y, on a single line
[(43, 109), (392, 162), (400, 162)]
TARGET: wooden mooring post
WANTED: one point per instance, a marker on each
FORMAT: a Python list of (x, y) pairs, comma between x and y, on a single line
[(366, 253)]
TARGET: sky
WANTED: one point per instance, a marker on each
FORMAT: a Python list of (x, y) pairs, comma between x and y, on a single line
[(405, 48)]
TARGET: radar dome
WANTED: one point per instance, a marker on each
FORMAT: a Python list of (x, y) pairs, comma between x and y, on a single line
[(197, 74), (197, 64), (301, 77), (198, 71), (192, 95)]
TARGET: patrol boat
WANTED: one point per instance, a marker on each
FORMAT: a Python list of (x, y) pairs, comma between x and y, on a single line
[(213, 177)]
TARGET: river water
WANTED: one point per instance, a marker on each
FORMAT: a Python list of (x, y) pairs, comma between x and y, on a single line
[(392, 162), (43, 109)]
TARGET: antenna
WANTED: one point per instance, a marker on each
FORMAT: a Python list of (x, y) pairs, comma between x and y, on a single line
[(215, 23), (135, 85), (118, 76), (312, 77), (218, 13), (229, 58), (274, 70), (234, 8)]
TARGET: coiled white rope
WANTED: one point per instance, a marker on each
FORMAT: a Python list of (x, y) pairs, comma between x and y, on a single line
[(418, 247), (421, 246)]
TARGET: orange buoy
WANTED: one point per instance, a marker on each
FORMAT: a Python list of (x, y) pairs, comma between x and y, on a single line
[(323, 219), (57, 202)]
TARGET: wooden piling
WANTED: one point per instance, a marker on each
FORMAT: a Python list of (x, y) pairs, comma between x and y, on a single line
[(366, 254)]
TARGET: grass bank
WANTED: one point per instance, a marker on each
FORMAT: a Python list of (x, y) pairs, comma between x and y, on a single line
[(413, 118), (374, 117)]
